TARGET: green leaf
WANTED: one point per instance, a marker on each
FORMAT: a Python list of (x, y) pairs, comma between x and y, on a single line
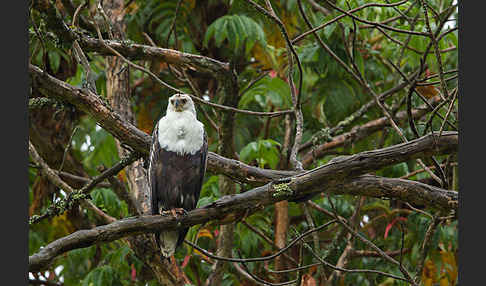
[(104, 275), (54, 60), (35, 242), (108, 201), (396, 171), (209, 191), (240, 31), (265, 152), (340, 102), (358, 57), (452, 37), (268, 91), (77, 264)]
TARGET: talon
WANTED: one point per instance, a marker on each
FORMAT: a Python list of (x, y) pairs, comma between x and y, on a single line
[(174, 212), (165, 212)]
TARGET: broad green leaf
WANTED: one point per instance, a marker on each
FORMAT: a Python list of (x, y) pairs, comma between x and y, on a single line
[(108, 201), (265, 152), (104, 275), (240, 31)]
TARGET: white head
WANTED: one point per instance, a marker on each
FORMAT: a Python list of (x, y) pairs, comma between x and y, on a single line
[(179, 130), (180, 103)]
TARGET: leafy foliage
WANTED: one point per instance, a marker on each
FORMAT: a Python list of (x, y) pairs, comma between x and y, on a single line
[(263, 151), (240, 32), (235, 32)]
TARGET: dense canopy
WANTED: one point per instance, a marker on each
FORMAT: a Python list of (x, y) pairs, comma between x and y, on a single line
[(332, 129)]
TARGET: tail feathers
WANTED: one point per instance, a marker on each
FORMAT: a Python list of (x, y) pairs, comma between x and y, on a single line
[(167, 241)]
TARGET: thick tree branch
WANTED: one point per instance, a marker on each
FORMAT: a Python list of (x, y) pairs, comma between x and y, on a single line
[(359, 132), (94, 105), (140, 141), (134, 137), (329, 177), (127, 49), (405, 190)]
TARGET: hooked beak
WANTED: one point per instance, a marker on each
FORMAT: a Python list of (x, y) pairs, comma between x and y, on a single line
[(178, 105)]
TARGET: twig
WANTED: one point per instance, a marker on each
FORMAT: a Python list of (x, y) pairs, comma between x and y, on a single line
[(107, 22), (263, 281), (294, 269), (246, 274), (121, 191), (425, 248), (372, 245), (41, 39), (81, 58), (172, 27), (301, 36), (199, 100), (434, 112), (343, 259), (413, 173), (198, 94), (76, 12), (268, 240), (76, 195), (44, 283), (441, 181), (295, 94), (436, 82), (81, 179), (269, 257), (322, 261), (315, 237), (419, 210), (301, 259), (404, 45), (61, 206), (448, 112), (371, 253), (324, 46), (436, 49), (253, 82), (375, 23), (357, 114), (67, 149)]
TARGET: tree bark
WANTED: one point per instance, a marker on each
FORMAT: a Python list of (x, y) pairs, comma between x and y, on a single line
[(135, 138), (339, 177), (281, 227), (226, 186), (119, 97)]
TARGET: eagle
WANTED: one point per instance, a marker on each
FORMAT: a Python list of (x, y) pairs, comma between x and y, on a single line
[(177, 164)]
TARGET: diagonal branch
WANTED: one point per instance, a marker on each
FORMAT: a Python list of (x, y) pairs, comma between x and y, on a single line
[(330, 177), (56, 180), (128, 50), (132, 136), (359, 132), (81, 194)]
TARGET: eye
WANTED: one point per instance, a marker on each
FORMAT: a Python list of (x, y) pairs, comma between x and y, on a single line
[(172, 101), (183, 100)]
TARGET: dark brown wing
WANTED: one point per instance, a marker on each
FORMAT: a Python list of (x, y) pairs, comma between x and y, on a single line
[(176, 180), (154, 165), (192, 189)]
